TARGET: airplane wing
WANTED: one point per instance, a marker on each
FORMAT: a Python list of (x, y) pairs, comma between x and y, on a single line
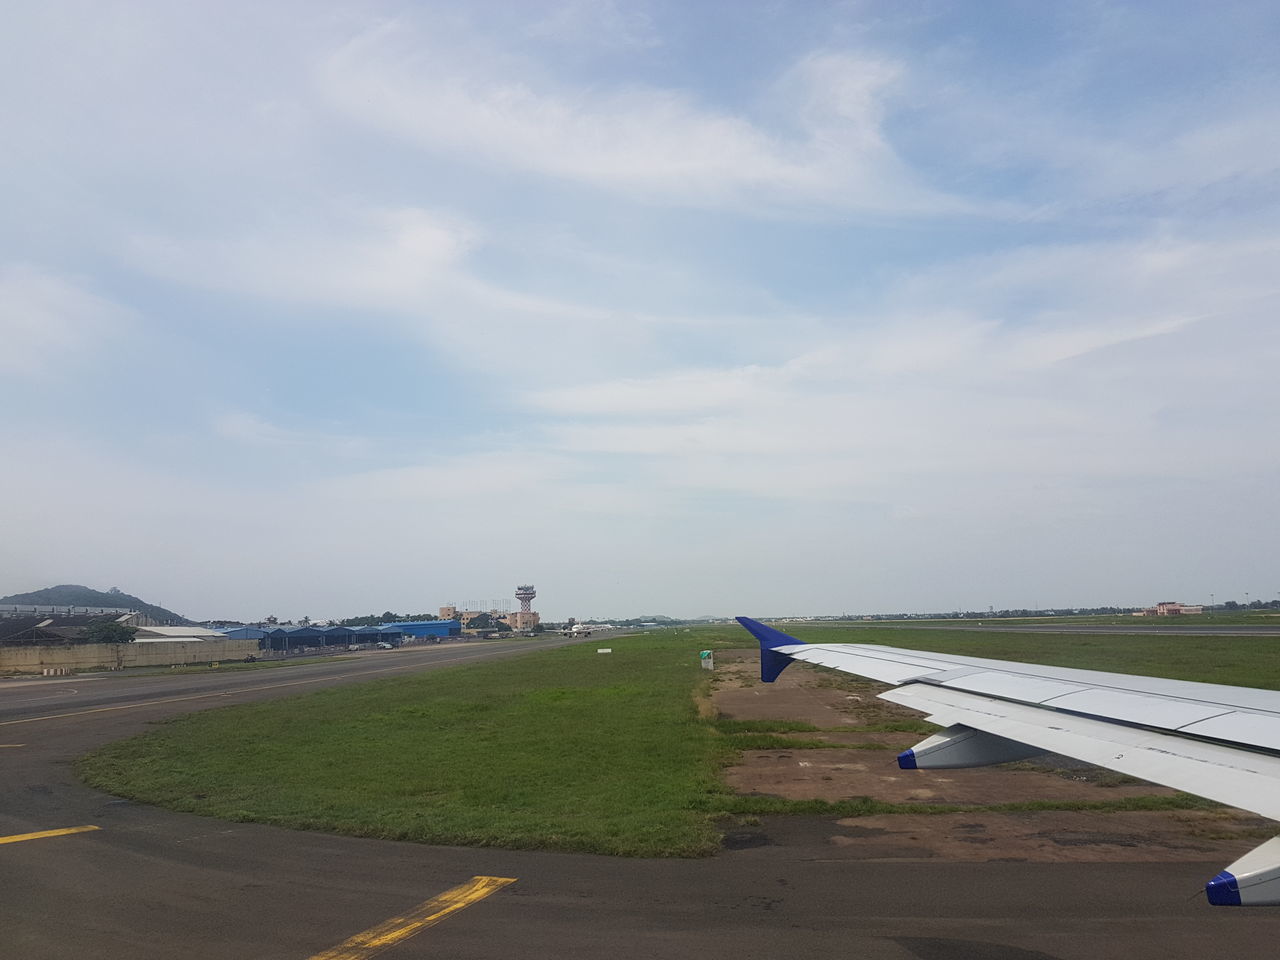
[(1212, 740)]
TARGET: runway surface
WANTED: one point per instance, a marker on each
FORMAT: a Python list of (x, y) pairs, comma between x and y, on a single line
[(148, 884)]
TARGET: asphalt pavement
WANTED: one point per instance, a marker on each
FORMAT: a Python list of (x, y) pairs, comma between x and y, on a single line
[(148, 884)]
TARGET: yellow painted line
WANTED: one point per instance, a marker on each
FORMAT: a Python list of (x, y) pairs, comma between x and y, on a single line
[(19, 837), (3, 745), (232, 693), (387, 934)]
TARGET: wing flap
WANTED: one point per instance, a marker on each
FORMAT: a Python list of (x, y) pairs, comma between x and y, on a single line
[(1012, 686), (1165, 713), (1239, 727), (1250, 781)]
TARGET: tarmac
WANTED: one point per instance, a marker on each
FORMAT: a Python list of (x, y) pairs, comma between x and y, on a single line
[(147, 884)]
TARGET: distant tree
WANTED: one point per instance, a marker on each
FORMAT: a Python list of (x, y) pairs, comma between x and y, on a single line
[(109, 631), (305, 621), (539, 628), (271, 619)]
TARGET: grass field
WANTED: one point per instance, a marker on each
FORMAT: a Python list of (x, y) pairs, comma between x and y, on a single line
[(562, 750), (1239, 661), (1190, 621), (566, 749)]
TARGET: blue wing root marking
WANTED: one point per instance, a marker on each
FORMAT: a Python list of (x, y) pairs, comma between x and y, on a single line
[(772, 663)]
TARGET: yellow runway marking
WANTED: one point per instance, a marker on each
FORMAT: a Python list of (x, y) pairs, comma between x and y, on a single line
[(232, 693), (387, 934), (18, 837)]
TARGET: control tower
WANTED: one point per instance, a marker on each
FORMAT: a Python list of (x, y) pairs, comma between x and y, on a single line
[(526, 619)]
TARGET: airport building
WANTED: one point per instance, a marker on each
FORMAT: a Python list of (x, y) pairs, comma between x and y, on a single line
[(1170, 608), (523, 620), (396, 634), (436, 629), (526, 618)]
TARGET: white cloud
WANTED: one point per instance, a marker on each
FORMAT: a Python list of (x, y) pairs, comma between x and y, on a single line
[(411, 269), (1054, 142), (645, 395), (1060, 362), (47, 320), (366, 258), (252, 430), (595, 24), (457, 480), (682, 392), (648, 142)]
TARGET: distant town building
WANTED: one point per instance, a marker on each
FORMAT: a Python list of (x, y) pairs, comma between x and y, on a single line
[(10, 610), (464, 617), (1170, 608)]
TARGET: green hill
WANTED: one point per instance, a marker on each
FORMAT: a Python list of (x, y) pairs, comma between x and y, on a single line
[(75, 595)]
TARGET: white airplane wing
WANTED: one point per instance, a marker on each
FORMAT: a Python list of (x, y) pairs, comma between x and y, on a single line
[(1208, 739)]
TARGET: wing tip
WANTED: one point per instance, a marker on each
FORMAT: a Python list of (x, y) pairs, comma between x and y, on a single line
[(772, 663), (768, 636), (1223, 890)]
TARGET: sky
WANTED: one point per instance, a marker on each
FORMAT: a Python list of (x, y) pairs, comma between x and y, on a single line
[(753, 307)]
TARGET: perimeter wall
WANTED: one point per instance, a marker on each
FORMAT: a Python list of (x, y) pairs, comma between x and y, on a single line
[(113, 656)]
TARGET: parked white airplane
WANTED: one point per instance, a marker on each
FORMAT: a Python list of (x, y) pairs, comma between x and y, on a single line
[(1208, 739)]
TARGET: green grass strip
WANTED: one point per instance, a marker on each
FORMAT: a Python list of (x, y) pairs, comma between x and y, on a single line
[(558, 750), (562, 750), (1238, 661)]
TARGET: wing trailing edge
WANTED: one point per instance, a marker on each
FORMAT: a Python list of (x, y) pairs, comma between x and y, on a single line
[(1211, 740)]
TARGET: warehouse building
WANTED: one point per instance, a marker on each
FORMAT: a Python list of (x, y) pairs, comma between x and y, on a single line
[(434, 629)]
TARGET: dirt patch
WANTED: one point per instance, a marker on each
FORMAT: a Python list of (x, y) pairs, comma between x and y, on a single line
[(826, 699), (891, 744), (1049, 836), (862, 763), (840, 774)]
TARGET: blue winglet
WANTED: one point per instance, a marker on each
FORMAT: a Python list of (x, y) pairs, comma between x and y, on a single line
[(907, 760), (1223, 890), (772, 663)]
